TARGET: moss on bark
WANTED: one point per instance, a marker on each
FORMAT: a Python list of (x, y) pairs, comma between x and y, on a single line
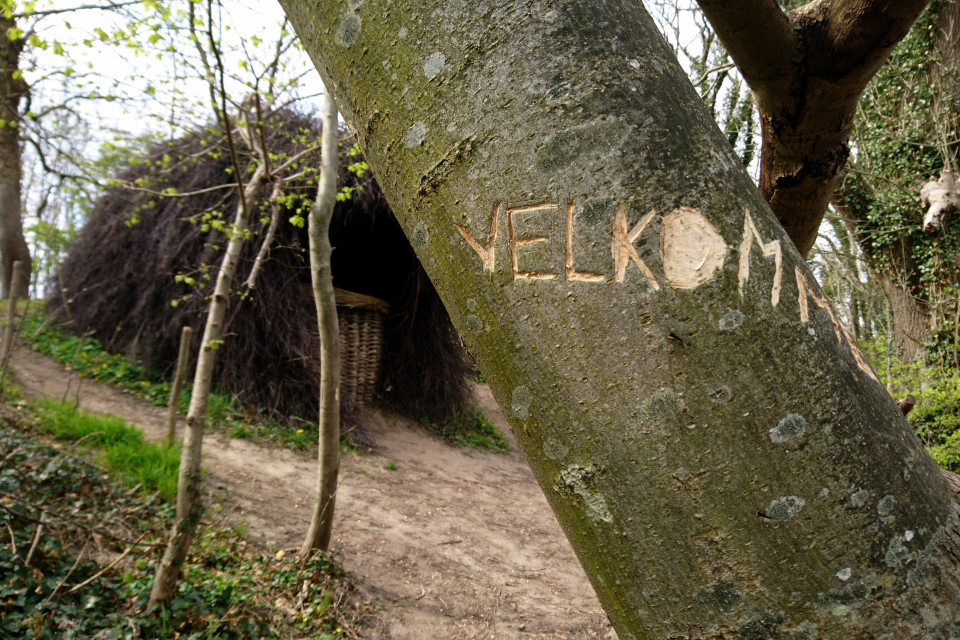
[(654, 408)]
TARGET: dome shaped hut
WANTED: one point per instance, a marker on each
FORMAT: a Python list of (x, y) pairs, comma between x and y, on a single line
[(142, 266)]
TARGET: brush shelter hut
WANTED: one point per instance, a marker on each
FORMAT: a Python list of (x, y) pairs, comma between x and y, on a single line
[(144, 263)]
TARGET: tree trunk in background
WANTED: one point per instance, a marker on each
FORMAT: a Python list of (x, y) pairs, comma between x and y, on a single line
[(189, 508), (328, 456), (722, 460), (13, 246), (911, 319), (892, 266)]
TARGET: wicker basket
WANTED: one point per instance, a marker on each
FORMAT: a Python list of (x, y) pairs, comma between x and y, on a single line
[(361, 343)]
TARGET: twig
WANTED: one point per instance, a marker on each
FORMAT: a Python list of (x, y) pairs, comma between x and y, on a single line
[(73, 362), (89, 435), (66, 304), (33, 544), (43, 325), (21, 450), (251, 282), (106, 568), (60, 584), (13, 541), (50, 512)]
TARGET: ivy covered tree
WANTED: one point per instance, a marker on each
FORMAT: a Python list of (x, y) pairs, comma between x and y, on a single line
[(906, 133)]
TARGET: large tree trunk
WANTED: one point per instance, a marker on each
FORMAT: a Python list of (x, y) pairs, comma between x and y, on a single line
[(13, 246), (721, 458), (328, 455)]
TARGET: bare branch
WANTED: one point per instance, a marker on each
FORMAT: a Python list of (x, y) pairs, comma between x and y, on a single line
[(760, 40)]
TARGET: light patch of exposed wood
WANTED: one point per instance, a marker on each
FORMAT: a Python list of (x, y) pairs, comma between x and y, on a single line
[(623, 249), (514, 243), (691, 248), (488, 257), (772, 248), (804, 289), (571, 273)]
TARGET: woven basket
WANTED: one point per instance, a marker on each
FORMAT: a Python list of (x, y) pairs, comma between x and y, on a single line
[(361, 343)]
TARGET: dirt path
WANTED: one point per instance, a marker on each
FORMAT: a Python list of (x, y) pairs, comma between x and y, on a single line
[(454, 543)]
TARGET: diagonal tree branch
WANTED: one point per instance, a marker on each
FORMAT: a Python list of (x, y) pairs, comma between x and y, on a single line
[(761, 41)]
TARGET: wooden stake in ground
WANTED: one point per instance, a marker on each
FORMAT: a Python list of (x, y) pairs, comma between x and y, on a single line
[(321, 525), (186, 337), (11, 319)]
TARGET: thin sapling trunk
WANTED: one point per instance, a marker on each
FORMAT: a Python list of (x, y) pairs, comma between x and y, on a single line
[(183, 358), (321, 524), (188, 482)]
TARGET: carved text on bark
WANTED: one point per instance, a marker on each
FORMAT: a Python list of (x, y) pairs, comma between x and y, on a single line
[(691, 252)]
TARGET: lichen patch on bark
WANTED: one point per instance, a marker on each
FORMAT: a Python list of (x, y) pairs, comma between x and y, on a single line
[(793, 426), (580, 481)]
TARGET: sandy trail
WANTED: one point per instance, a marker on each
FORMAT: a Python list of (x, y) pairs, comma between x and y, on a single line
[(454, 543)]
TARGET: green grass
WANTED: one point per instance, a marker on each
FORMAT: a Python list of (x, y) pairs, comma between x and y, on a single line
[(89, 359), (391, 466), (472, 429), (120, 447)]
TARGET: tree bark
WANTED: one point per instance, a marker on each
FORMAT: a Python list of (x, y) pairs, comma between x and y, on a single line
[(10, 328), (911, 318), (722, 460), (807, 69), (328, 457), (189, 507), (13, 246), (893, 267)]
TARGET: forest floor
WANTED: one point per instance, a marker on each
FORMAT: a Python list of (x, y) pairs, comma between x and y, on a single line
[(448, 542)]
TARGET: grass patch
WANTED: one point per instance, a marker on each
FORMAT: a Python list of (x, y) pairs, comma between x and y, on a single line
[(472, 429), (121, 448), (228, 591), (89, 359)]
